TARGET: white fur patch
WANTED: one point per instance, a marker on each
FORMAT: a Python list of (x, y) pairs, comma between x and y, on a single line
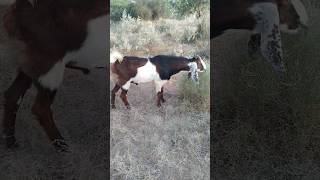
[(115, 56), (268, 25), (266, 15), (194, 71), (301, 11), (126, 86), (93, 52), (159, 85), (203, 64), (53, 78), (146, 73)]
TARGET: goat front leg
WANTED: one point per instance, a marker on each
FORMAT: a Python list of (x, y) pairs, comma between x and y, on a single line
[(42, 109), (268, 25), (159, 90), (272, 51), (12, 95)]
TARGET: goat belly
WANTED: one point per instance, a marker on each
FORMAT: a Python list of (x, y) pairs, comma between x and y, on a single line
[(93, 50), (146, 73)]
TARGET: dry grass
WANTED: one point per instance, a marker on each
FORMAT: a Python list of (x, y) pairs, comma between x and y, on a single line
[(263, 128), (171, 142)]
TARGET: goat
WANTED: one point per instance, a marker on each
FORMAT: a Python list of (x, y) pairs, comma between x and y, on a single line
[(56, 33), (265, 18), (129, 69)]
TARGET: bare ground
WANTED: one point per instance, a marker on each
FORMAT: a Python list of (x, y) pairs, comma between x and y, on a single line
[(80, 114)]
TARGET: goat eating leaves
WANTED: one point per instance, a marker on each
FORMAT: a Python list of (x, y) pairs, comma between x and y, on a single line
[(130, 69)]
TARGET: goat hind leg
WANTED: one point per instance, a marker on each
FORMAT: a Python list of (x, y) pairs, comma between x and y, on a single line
[(12, 95), (124, 98), (162, 99), (42, 109), (113, 95), (124, 92)]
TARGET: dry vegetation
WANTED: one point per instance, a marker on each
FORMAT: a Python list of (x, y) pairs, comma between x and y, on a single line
[(171, 142), (263, 128)]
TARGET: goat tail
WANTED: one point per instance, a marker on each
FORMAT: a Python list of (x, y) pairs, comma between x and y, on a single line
[(115, 56)]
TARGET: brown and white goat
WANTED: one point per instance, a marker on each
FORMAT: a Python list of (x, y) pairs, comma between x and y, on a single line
[(56, 33), (129, 69)]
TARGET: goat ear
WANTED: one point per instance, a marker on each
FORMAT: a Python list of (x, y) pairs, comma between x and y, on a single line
[(194, 59), (193, 71)]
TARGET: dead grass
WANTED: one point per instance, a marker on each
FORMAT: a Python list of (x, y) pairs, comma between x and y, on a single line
[(151, 143), (171, 142), (264, 129)]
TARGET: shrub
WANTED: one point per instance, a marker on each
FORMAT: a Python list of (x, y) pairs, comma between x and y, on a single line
[(117, 7), (196, 96), (148, 9)]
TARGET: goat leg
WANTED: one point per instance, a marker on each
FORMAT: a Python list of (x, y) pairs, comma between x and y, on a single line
[(42, 109), (113, 95), (12, 95), (162, 99), (159, 99), (124, 98)]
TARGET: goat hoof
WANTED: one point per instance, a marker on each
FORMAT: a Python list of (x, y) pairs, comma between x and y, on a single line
[(61, 146), (11, 142), (128, 107), (113, 106)]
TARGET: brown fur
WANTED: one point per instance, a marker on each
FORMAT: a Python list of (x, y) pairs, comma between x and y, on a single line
[(49, 30)]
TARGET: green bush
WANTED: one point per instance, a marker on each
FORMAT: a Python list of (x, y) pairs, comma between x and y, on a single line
[(196, 96), (117, 7), (148, 9)]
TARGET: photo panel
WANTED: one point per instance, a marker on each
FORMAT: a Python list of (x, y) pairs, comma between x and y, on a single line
[(53, 86), (265, 107), (160, 89)]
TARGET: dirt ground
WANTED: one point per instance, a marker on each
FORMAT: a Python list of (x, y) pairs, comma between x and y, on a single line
[(80, 114)]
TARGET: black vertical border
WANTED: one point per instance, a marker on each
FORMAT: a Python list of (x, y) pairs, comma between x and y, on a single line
[(211, 93), (107, 90)]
